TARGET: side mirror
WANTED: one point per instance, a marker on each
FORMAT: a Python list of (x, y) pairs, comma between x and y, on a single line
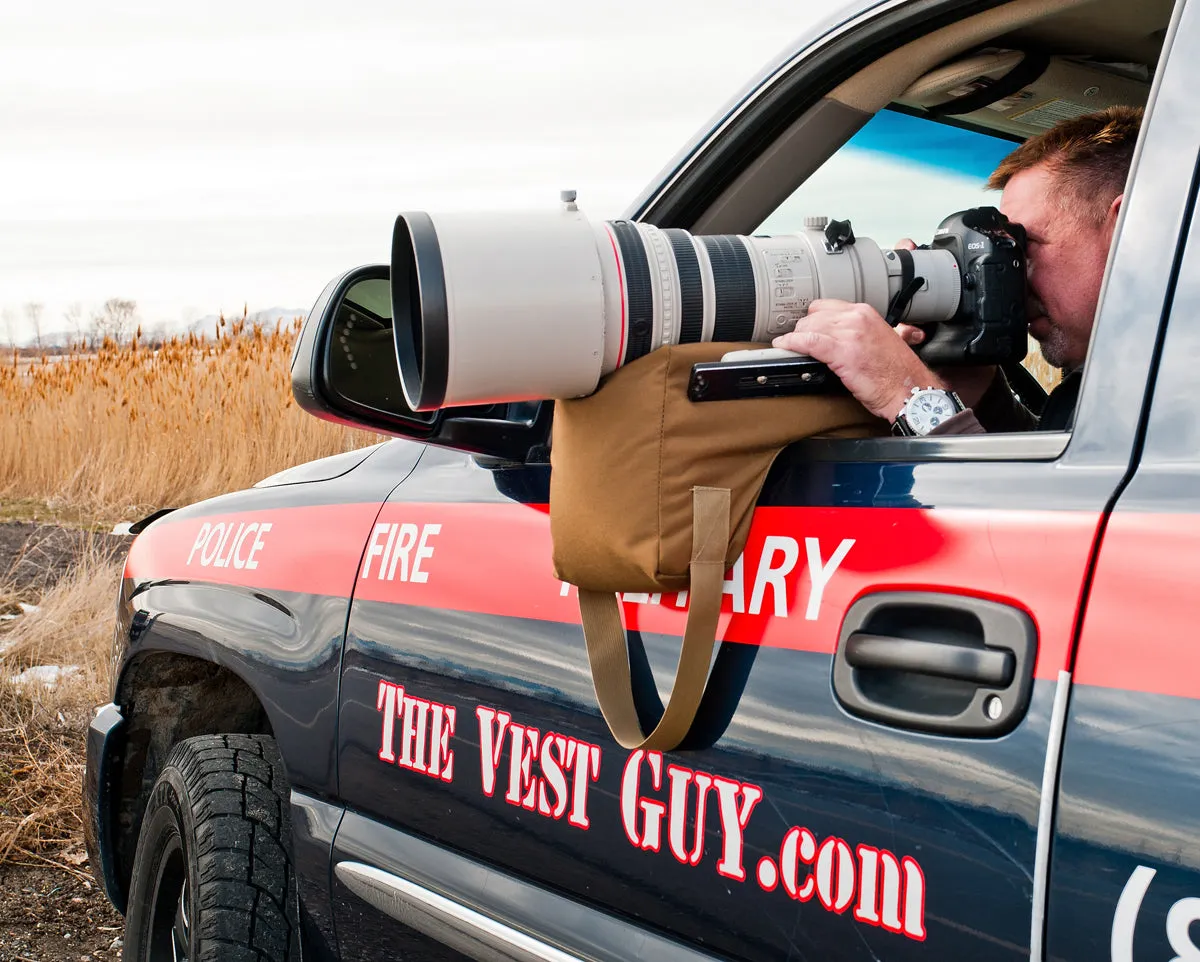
[(344, 369)]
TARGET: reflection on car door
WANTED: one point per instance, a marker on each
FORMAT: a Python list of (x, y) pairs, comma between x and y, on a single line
[(1126, 869)]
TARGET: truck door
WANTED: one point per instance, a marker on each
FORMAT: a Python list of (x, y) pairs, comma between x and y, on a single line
[(1125, 879), (856, 787)]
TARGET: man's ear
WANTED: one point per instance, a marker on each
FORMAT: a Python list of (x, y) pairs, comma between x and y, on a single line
[(1110, 219)]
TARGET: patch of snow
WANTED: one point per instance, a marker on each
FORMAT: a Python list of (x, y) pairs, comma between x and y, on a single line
[(48, 676), (9, 617), (28, 609)]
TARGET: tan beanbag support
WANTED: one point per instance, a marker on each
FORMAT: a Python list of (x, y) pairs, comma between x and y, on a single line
[(652, 492)]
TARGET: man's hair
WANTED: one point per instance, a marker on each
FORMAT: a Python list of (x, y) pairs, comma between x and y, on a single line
[(1089, 157)]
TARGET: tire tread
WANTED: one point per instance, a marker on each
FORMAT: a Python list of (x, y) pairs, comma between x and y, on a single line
[(244, 907)]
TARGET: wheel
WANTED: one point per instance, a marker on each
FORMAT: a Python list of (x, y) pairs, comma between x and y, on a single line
[(212, 875)]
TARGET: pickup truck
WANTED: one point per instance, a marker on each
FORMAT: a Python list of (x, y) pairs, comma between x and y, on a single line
[(353, 717)]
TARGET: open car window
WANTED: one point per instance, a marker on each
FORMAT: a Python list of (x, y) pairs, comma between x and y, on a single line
[(899, 177)]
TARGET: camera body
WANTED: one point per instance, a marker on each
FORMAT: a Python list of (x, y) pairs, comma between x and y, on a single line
[(990, 326)]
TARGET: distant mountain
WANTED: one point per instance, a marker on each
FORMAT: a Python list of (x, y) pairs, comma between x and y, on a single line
[(267, 318), (165, 328)]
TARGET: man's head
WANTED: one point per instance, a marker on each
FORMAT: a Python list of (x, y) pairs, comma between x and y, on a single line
[(1065, 186)]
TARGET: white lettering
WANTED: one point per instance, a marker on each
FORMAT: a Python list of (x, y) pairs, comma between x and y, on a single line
[(216, 534), (799, 848), (238, 561), (769, 574), (677, 819), (225, 561), (385, 701), (258, 544), (424, 551), (586, 769), (552, 768), (914, 900), (835, 875), (412, 735), (374, 548), (443, 754), (522, 785), (735, 587), (491, 744), (734, 816), (408, 537), (650, 838), (200, 536), (819, 573)]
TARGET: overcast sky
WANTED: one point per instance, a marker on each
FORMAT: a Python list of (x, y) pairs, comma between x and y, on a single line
[(194, 157)]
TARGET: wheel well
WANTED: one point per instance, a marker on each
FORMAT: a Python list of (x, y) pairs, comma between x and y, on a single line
[(166, 698)]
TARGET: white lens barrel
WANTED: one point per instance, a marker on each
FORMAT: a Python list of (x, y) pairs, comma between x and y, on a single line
[(939, 297), (513, 307), (523, 314)]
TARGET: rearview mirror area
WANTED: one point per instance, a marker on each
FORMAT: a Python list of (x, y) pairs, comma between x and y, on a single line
[(344, 369)]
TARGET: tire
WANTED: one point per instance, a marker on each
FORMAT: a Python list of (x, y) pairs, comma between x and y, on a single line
[(212, 876)]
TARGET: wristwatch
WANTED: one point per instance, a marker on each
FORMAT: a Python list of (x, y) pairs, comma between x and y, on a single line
[(924, 410)]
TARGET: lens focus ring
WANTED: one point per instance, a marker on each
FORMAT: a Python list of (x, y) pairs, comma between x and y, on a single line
[(691, 287), (733, 282)]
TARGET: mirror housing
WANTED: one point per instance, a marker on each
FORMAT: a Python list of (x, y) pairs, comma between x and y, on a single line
[(344, 370)]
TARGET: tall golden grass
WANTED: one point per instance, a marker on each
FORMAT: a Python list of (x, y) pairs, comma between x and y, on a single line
[(41, 761), (134, 427)]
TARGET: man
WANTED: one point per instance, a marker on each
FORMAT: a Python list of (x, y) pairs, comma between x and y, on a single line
[(1065, 186)]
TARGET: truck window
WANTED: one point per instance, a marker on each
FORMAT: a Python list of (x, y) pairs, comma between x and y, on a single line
[(898, 177)]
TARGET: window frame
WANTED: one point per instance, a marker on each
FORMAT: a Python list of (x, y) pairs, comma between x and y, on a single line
[(1155, 212)]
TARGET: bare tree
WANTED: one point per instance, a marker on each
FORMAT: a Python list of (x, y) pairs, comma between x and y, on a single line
[(10, 326), (33, 312), (73, 315), (115, 319)]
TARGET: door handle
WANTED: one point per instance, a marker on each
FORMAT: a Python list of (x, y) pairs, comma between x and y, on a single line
[(936, 662), (980, 666)]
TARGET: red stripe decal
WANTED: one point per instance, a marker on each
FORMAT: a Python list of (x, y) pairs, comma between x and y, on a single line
[(314, 550), (802, 567), (1144, 608)]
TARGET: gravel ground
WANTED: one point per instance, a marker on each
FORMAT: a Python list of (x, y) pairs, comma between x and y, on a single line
[(50, 915), (33, 556)]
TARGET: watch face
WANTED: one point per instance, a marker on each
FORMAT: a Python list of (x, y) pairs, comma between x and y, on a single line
[(929, 408)]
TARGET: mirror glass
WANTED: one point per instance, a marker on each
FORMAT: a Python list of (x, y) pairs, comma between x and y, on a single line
[(361, 366)]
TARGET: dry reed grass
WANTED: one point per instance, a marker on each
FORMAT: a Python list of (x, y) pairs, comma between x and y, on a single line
[(41, 757), (1047, 376), (134, 427)]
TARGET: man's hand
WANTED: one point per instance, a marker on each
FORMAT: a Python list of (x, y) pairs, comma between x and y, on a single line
[(857, 345)]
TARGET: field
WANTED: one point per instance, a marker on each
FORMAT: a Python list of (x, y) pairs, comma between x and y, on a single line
[(135, 427), (88, 439)]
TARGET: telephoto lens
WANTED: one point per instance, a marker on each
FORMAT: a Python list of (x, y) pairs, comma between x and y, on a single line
[(490, 308)]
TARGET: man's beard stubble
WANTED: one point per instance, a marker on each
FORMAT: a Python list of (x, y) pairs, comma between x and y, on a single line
[(1055, 347)]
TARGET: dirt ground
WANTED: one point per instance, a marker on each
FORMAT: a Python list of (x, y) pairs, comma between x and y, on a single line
[(33, 556), (50, 915), (52, 912)]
